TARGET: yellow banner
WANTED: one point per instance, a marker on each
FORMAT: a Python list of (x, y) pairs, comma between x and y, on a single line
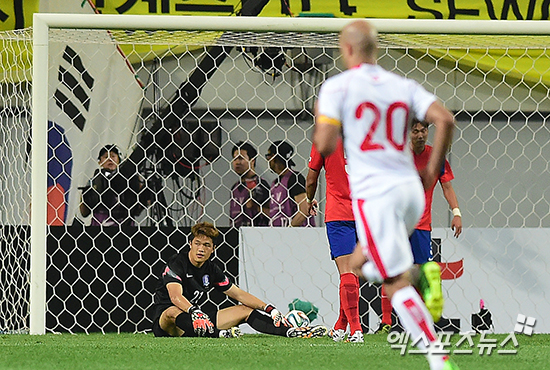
[(16, 47), (426, 9), (15, 58), (17, 14)]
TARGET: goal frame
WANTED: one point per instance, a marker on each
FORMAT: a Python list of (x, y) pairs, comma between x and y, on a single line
[(42, 23)]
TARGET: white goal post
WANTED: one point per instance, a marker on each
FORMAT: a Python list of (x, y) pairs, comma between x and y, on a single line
[(500, 110)]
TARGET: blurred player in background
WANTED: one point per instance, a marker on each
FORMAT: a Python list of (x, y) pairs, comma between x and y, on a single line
[(288, 206), (183, 287), (250, 195), (421, 238), (342, 237), (372, 109)]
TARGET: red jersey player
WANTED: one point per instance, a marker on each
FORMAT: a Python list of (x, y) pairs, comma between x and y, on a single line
[(342, 237), (421, 238), (421, 153)]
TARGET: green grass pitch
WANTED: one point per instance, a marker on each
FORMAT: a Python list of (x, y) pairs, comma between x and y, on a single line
[(143, 351)]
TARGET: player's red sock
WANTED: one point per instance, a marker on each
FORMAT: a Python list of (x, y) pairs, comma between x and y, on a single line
[(386, 307), (350, 287), (342, 322)]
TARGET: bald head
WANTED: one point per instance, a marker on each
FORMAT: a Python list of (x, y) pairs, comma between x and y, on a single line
[(358, 43)]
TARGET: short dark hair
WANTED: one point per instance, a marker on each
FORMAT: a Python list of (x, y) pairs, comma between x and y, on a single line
[(250, 150), (416, 121), (108, 148), (206, 229), (282, 152)]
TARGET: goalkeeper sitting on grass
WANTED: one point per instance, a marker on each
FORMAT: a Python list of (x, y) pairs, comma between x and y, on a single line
[(183, 285)]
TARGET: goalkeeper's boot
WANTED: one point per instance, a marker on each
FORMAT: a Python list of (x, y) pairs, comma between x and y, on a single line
[(233, 332), (429, 285), (357, 337), (307, 332), (337, 335)]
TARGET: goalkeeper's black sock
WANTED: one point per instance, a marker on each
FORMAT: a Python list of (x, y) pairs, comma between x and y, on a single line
[(263, 323), (183, 321)]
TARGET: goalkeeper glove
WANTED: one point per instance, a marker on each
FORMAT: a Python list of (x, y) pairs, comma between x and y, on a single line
[(201, 321), (276, 315)]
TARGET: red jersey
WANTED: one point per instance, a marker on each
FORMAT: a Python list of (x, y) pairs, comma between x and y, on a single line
[(338, 206), (446, 175)]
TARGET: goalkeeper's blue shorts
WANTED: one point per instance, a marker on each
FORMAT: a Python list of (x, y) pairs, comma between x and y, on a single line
[(342, 237), (421, 245)]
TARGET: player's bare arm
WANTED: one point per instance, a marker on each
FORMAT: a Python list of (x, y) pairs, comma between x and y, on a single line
[(245, 298), (302, 213), (176, 296), (444, 125), (252, 302), (450, 196), (311, 188), (326, 135), (167, 320)]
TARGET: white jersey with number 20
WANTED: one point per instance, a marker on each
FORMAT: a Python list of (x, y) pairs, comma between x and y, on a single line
[(375, 108)]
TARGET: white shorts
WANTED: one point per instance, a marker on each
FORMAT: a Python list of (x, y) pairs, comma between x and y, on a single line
[(384, 224)]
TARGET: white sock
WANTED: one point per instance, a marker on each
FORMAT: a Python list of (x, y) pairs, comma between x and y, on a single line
[(416, 320)]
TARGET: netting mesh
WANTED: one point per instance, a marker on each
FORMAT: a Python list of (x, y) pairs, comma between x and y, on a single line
[(196, 95), (308, 39), (14, 180)]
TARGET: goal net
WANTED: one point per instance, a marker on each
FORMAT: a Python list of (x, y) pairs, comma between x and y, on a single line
[(172, 96)]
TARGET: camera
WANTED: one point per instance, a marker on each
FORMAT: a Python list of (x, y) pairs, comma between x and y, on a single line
[(110, 188)]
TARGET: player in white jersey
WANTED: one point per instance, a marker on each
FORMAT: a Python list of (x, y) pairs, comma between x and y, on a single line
[(372, 108)]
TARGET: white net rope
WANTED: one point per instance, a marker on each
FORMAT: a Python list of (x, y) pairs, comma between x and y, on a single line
[(14, 181), (257, 88)]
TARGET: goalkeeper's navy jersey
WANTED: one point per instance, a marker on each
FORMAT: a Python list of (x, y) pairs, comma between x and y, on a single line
[(194, 281)]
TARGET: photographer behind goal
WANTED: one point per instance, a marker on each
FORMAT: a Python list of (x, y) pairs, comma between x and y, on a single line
[(113, 193)]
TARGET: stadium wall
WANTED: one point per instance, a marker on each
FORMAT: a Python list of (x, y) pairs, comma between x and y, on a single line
[(507, 268), (104, 280)]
